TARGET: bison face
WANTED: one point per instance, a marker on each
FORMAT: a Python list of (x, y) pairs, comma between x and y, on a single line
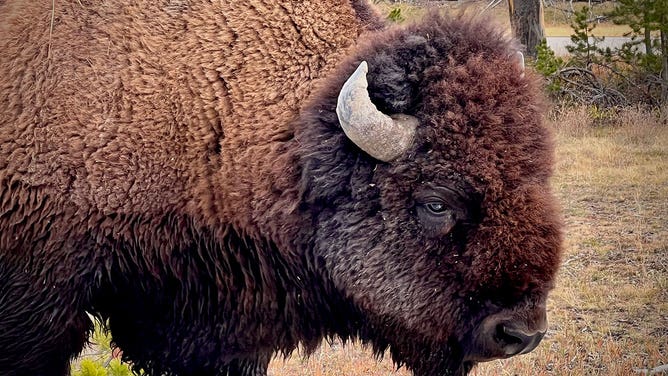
[(436, 221)]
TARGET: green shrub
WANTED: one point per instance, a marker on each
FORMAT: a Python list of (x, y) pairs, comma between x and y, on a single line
[(548, 64), (89, 367), (395, 15), (100, 363), (116, 368)]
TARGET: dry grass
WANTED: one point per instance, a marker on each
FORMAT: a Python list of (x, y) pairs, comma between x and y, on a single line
[(336, 360), (604, 29), (557, 21), (609, 312), (412, 12)]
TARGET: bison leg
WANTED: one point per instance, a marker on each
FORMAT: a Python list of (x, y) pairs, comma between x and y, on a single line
[(39, 333)]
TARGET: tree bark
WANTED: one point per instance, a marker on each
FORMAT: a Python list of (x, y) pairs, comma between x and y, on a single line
[(664, 66), (526, 21), (648, 35)]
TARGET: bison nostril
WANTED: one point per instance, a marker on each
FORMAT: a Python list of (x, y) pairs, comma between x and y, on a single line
[(507, 333), (514, 341), (505, 336)]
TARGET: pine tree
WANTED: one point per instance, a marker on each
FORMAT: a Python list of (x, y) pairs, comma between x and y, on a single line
[(584, 50), (648, 18)]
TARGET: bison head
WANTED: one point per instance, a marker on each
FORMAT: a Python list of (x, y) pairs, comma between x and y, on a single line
[(428, 188)]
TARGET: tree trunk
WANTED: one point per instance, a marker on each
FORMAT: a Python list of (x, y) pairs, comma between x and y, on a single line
[(648, 33), (526, 21), (664, 67)]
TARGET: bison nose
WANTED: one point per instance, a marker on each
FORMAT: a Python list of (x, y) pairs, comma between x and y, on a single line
[(508, 333), (513, 340)]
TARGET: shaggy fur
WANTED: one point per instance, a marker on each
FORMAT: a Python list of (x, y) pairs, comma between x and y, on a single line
[(177, 167)]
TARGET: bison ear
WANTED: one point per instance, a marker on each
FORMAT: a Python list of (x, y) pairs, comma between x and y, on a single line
[(381, 136), (518, 59)]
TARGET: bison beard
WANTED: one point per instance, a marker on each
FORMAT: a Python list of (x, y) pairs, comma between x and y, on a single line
[(225, 181)]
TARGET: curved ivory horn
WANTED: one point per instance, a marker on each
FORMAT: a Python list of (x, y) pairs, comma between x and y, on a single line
[(382, 137)]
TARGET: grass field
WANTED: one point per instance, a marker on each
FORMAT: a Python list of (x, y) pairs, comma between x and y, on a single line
[(609, 311), (557, 17)]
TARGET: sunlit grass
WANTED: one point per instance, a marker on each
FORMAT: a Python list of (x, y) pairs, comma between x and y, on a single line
[(557, 22), (604, 29)]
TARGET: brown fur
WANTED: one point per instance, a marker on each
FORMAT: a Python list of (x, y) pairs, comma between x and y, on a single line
[(177, 168)]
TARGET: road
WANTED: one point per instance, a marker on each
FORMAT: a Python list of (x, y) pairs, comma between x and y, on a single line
[(558, 44)]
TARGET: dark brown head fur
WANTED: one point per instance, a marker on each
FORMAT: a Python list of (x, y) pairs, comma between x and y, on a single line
[(480, 136)]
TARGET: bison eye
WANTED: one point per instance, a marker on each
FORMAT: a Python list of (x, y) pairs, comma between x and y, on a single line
[(440, 208), (436, 207), (436, 217)]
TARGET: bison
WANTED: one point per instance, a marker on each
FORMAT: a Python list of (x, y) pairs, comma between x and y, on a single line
[(223, 181)]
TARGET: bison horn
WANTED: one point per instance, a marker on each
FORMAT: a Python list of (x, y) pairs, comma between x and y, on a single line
[(381, 136), (518, 57)]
